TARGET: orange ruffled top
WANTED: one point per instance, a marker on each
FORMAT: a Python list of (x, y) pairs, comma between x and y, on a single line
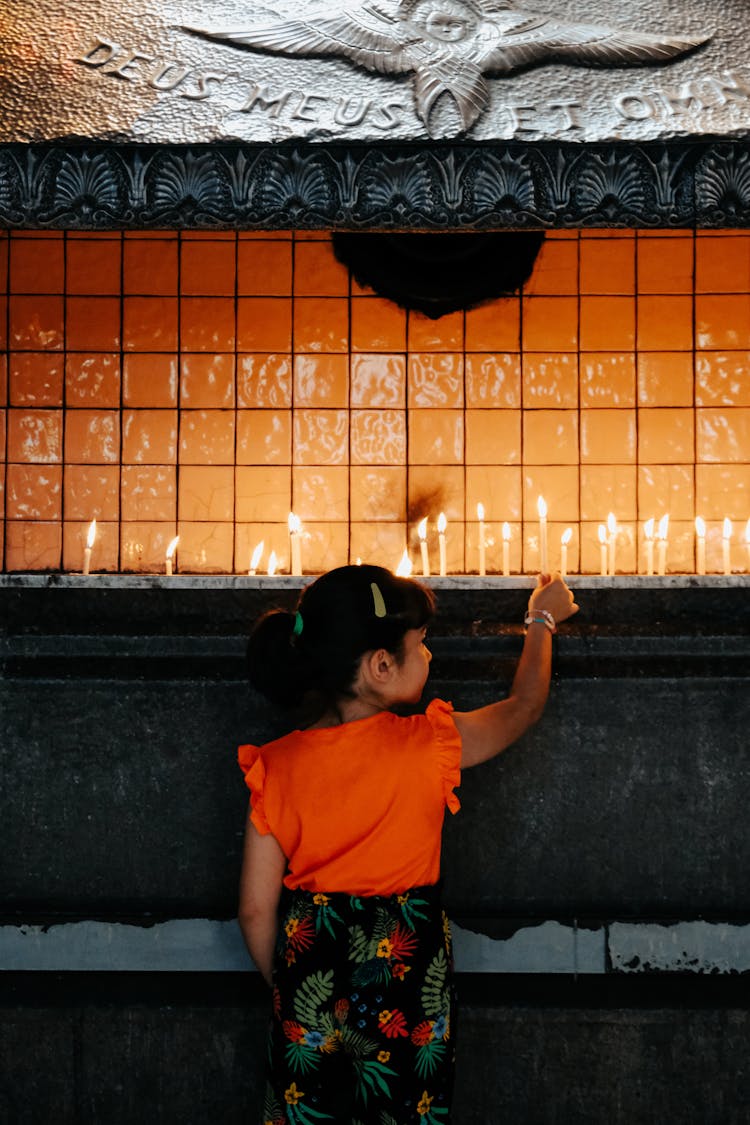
[(358, 807)]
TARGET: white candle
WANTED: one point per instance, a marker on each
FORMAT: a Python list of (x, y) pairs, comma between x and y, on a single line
[(726, 535), (482, 554), (91, 536), (442, 524), (255, 558), (565, 538), (404, 568), (295, 527), (273, 562), (648, 531), (700, 543), (541, 508), (663, 543), (506, 549), (612, 543), (602, 533), (171, 548), (422, 533), (747, 542)]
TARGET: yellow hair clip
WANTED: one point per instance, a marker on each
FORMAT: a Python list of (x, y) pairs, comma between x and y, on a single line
[(378, 600)]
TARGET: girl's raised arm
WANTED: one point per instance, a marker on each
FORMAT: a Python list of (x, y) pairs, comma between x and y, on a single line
[(263, 868)]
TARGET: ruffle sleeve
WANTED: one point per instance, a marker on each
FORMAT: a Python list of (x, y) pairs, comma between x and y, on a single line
[(251, 764), (440, 715)]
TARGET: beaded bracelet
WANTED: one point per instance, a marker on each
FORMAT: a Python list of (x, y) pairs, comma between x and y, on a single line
[(541, 617)]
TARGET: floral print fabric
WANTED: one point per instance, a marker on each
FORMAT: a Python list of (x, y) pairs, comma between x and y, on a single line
[(362, 1031)]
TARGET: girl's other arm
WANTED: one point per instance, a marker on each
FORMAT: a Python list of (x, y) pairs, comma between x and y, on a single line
[(263, 868), (488, 730)]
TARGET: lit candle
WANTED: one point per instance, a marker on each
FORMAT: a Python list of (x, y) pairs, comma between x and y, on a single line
[(612, 542), (255, 558), (442, 523), (602, 533), (506, 549), (700, 543), (295, 527), (89, 547), (726, 535), (422, 533), (648, 531), (565, 538), (273, 562), (482, 555), (171, 548), (541, 508), (661, 535), (747, 542), (404, 568)]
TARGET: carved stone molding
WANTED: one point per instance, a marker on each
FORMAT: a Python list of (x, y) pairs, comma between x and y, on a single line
[(394, 187)]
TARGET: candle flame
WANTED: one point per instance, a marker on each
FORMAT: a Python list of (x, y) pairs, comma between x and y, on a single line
[(172, 546), (442, 523), (91, 535), (404, 568), (648, 529), (727, 532), (611, 524), (700, 527), (541, 507), (480, 512), (294, 523), (663, 527), (506, 531), (359, 561), (422, 528), (602, 533), (273, 562), (257, 555), (566, 536)]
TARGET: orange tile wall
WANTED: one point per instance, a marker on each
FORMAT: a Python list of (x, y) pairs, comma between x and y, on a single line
[(205, 384)]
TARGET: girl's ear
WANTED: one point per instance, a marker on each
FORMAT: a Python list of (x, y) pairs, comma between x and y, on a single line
[(377, 666)]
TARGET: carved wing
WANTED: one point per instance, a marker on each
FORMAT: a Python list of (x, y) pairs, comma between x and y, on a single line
[(363, 32), (464, 83)]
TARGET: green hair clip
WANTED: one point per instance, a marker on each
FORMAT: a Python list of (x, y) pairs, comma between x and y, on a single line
[(298, 624), (378, 600)]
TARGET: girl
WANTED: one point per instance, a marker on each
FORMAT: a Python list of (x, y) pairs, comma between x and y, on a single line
[(339, 896)]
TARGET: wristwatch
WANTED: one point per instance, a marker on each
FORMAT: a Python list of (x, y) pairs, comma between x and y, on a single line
[(540, 617)]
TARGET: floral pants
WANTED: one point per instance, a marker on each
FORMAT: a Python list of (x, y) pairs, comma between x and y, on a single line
[(362, 1030)]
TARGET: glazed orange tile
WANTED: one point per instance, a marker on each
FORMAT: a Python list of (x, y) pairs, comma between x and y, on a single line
[(436, 437), (722, 491), (665, 379), (92, 323), (206, 492), (150, 324), (36, 323), (264, 437), (317, 273), (326, 546), (723, 435), (607, 379), (379, 543), (205, 547), (4, 379), (435, 380), (92, 379), (33, 546), (36, 266), (150, 267), (33, 492), (207, 324), (722, 265), (321, 494), (665, 323), (495, 327), (608, 488), (722, 321), (605, 232), (665, 436), (149, 379), (149, 437), (550, 324), (264, 269), (608, 437), (263, 495), (550, 380), (104, 556), (555, 269), (208, 235), (320, 437), (557, 484), (377, 325), (432, 489), (531, 547), (665, 265), (264, 324), (321, 380), (493, 380), (498, 488), (206, 379), (206, 437), (377, 492), (143, 545), (91, 492), (35, 435), (666, 488), (266, 535), (378, 380), (3, 445), (93, 267), (721, 379), (149, 493), (267, 235), (550, 433), (607, 324), (321, 324), (607, 266), (264, 381), (36, 379), (493, 437), (92, 436), (378, 437), (443, 335), (207, 268)]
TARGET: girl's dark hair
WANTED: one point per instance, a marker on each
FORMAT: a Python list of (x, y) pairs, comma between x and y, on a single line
[(340, 618)]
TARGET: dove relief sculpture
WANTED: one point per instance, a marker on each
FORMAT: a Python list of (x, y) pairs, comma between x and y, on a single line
[(448, 45)]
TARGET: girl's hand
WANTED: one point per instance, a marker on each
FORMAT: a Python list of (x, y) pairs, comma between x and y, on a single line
[(555, 596)]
